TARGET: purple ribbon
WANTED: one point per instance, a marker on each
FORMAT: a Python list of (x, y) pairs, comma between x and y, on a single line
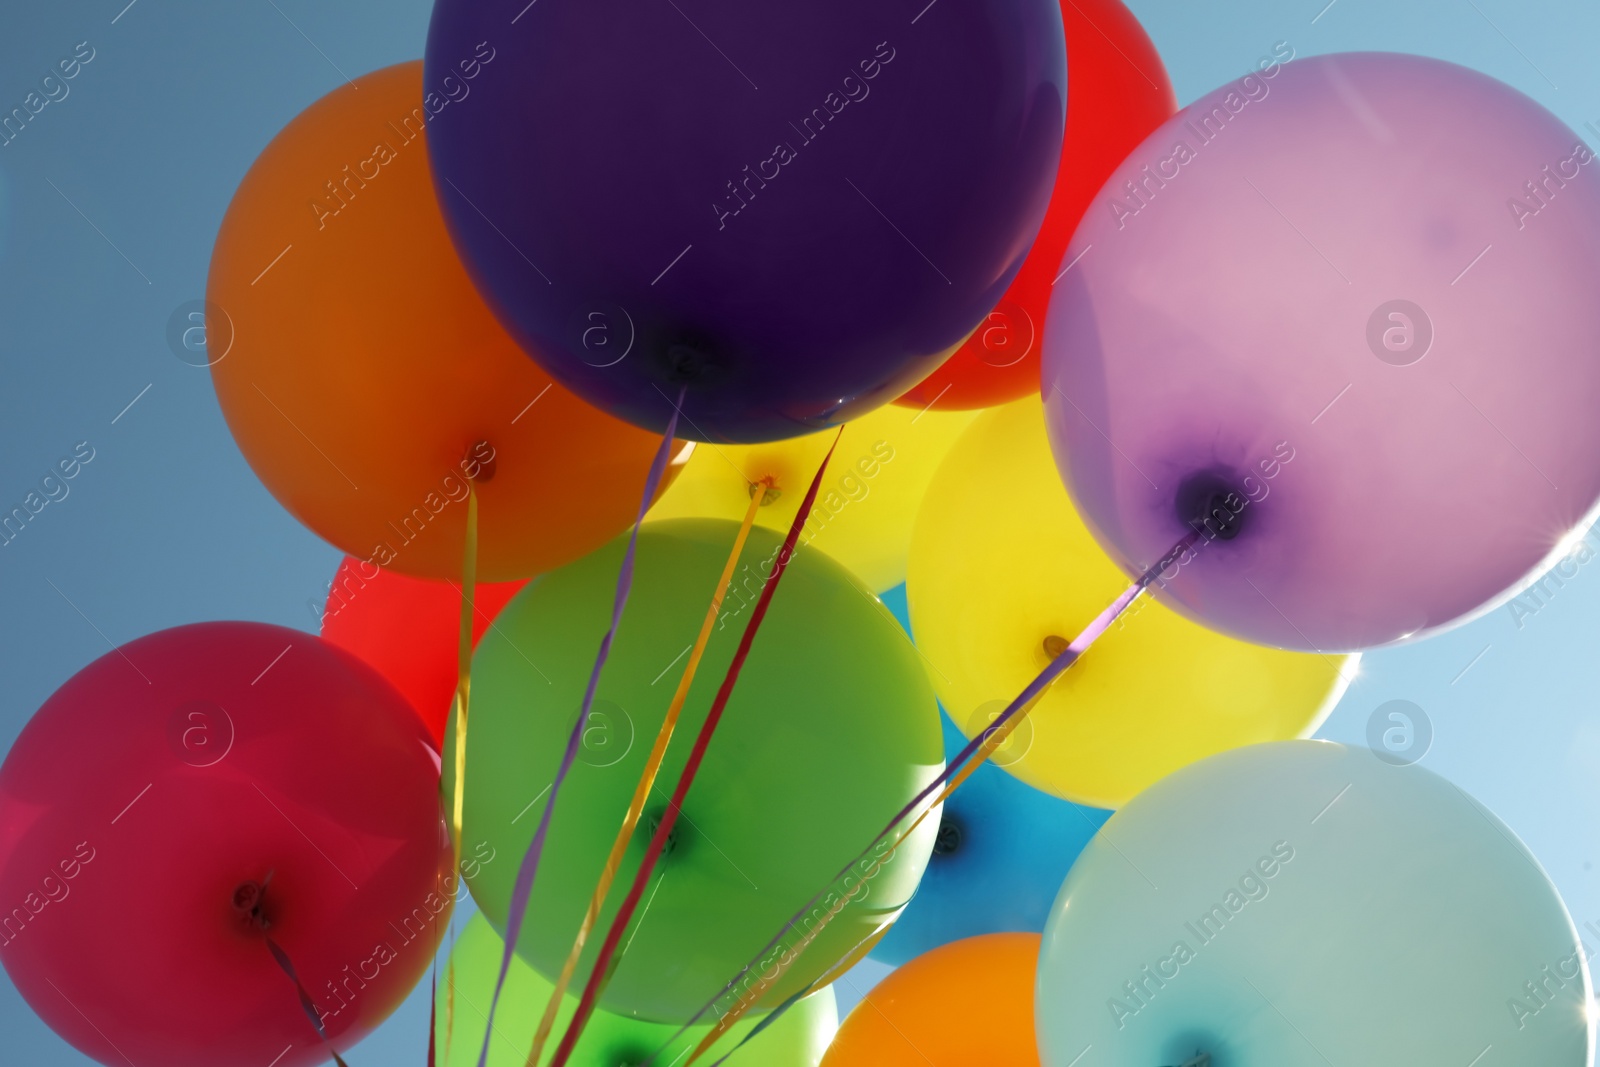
[(529, 867), (1052, 671)]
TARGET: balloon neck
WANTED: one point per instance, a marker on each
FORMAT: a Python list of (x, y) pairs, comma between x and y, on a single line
[(479, 462), (769, 492), (1209, 503), (1054, 645), (948, 839), (1199, 1059), (250, 903), (685, 364)]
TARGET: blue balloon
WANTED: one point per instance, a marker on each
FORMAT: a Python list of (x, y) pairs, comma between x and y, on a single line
[(1003, 850), (895, 600)]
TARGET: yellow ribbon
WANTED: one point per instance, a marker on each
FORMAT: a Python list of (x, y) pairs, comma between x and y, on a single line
[(469, 583), (647, 780)]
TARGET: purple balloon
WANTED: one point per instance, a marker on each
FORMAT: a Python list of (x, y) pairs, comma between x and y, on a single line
[(1341, 316), (795, 211)]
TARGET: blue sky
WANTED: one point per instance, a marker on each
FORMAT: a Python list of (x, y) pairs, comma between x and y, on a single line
[(110, 199)]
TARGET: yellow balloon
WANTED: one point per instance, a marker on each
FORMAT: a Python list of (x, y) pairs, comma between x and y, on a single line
[(466, 986), (1003, 573), (866, 504)]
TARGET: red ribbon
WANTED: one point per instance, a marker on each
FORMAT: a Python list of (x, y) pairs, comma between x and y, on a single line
[(604, 964)]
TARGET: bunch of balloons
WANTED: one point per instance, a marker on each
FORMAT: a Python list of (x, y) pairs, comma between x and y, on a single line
[(695, 620)]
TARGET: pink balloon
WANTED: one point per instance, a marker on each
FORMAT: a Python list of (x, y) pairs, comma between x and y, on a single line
[(1351, 301), (151, 798)]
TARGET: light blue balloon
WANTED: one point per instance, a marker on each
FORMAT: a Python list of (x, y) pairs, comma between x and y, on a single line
[(1304, 903), (1001, 854)]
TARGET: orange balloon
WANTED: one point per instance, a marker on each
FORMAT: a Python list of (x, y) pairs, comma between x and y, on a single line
[(366, 381), (968, 1003)]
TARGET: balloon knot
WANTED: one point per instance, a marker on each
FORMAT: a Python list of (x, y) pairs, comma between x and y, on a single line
[(1208, 502), (948, 839), (685, 363), (1054, 645), (479, 462), (653, 824), (249, 902), (770, 492)]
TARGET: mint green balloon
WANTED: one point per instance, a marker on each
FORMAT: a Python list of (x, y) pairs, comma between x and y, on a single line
[(1300, 904), (466, 984), (833, 727)]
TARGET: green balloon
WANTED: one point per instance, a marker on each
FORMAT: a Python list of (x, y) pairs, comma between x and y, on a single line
[(798, 1039), (832, 728), (1299, 904)]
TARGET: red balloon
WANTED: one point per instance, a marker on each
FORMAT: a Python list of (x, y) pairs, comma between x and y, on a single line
[(178, 782), (409, 629), (1117, 93)]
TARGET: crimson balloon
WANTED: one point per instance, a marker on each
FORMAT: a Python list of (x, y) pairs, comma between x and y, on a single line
[(201, 811)]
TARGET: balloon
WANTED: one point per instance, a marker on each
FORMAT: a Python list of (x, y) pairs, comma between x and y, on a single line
[(795, 1040), (410, 630), (862, 516), (365, 381), (1002, 850), (968, 1002), (1003, 573), (178, 782), (830, 731), (1302, 902), (1117, 92), (1300, 332), (794, 213)]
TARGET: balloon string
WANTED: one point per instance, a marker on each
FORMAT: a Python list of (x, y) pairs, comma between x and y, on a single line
[(602, 967), (766, 1020), (469, 582), (433, 1002), (990, 744), (249, 902), (1002, 725), (529, 868), (305, 998), (469, 589), (647, 780), (855, 956), (433, 1015), (449, 1003), (450, 992)]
